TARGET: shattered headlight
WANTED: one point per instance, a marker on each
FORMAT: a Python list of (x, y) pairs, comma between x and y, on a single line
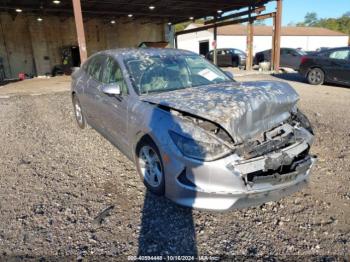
[(304, 121), (201, 147)]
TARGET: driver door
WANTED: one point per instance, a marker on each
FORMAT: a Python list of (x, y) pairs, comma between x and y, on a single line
[(115, 107)]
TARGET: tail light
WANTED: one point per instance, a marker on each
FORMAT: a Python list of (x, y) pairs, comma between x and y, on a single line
[(304, 59)]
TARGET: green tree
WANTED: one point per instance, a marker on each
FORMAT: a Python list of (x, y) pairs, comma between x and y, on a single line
[(341, 24), (310, 19), (347, 13)]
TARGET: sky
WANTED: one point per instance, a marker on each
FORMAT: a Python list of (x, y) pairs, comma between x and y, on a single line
[(295, 10)]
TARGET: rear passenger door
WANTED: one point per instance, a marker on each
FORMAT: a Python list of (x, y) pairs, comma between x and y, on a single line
[(285, 58), (92, 91), (294, 59), (224, 58)]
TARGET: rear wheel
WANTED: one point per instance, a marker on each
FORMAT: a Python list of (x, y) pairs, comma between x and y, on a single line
[(235, 62), (79, 116), (315, 76), (150, 167)]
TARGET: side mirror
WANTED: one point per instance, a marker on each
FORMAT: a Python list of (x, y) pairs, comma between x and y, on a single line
[(229, 74), (111, 89)]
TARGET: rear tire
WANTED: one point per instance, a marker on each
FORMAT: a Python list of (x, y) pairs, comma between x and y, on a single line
[(235, 62), (149, 165), (78, 112), (315, 76)]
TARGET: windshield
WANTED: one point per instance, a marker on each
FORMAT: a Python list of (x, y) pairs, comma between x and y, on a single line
[(166, 73), (301, 52)]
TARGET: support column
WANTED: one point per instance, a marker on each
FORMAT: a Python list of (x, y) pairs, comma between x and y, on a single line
[(175, 39), (80, 29), (277, 36), (215, 53), (250, 36), (272, 61)]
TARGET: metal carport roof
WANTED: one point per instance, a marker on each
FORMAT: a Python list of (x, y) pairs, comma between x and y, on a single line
[(167, 10)]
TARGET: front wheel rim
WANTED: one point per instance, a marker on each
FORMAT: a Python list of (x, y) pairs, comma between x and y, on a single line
[(78, 113), (150, 166), (315, 76)]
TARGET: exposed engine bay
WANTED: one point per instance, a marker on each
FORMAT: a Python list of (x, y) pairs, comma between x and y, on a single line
[(275, 156)]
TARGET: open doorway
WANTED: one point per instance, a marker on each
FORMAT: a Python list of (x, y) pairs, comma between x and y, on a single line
[(70, 58), (75, 56), (204, 47)]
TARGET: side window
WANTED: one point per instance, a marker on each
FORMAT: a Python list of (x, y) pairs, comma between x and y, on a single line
[(113, 74), (95, 67), (284, 51), (340, 54), (323, 54)]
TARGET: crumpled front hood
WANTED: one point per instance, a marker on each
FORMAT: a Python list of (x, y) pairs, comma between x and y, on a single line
[(243, 109)]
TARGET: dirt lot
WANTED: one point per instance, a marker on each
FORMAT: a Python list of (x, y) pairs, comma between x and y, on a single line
[(55, 180)]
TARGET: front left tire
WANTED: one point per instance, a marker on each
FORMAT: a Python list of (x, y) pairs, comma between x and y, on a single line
[(78, 112), (149, 165)]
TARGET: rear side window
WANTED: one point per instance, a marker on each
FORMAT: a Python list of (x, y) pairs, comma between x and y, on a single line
[(95, 67), (285, 51), (340, 54), (238, 52)]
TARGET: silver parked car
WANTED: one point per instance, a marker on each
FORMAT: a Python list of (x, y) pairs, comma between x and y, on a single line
[(194, 134)]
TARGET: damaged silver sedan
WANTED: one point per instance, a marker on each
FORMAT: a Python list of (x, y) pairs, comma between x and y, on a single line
[(194, 134)]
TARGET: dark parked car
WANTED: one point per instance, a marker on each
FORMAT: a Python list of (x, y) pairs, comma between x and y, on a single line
[(332, 65), (290, 57), (229, 57)]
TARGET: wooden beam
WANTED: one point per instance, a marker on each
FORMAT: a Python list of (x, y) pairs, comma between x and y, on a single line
[(273, 44), (80, 30), (277, 36), (235, 15), (175, 40), (232, 22), (215, 53), (250, 36)]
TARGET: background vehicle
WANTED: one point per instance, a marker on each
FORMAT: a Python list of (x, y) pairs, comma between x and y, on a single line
[(332, 65), (290, 57), (229, 57)]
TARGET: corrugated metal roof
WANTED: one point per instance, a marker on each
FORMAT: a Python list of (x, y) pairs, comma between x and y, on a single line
[(168, 10)]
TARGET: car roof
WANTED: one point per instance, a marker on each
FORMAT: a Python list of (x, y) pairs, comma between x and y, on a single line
[(127, 53)]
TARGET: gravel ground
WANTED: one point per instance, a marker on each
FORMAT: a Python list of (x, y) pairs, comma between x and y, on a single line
[(56, 180)]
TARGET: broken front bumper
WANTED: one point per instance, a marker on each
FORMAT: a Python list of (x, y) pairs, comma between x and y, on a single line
[(233, 183)]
